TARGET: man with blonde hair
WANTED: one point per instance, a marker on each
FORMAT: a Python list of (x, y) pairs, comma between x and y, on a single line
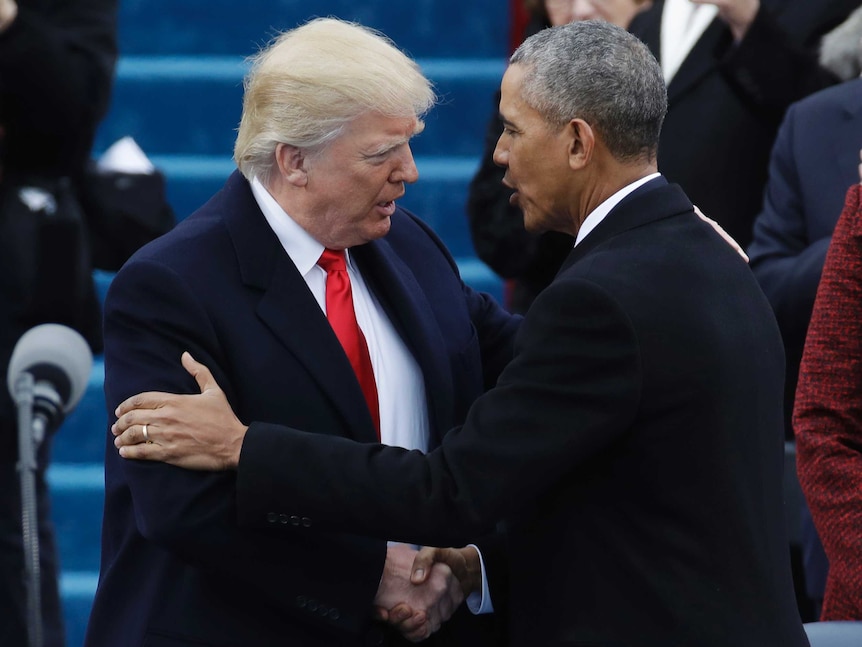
[(320, 303)]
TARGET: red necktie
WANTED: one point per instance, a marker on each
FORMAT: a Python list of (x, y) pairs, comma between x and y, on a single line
[(342, 318)]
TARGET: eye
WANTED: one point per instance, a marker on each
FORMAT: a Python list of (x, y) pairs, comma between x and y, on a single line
[(377, 158)]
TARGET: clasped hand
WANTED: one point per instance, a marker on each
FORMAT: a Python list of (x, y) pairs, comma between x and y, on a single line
[(419, 591)]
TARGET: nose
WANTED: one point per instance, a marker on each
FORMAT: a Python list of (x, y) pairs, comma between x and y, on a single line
[(406, 170), (501, 153)]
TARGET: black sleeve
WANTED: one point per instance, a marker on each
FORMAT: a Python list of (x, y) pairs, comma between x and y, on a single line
[(777, 63)]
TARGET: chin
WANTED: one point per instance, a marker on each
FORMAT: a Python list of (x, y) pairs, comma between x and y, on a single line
[(379, 230), (533, 225)]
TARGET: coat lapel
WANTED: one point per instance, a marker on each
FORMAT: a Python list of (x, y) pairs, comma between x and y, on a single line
[(702, 60), (653, 201), (290, 311), (404, 301)]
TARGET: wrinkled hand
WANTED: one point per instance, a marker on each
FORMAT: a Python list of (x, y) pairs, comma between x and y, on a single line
[(727, 237), (198, 432), (738, 14), (463, 562), (416, 610)]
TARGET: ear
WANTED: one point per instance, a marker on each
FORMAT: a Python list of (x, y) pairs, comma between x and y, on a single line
[(582, 143), (291, 164)]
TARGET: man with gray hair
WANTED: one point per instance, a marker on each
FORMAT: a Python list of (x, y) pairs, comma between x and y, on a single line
[(317, 301), (632, 448)]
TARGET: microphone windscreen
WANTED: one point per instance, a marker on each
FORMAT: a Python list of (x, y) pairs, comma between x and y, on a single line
[(57, 346)]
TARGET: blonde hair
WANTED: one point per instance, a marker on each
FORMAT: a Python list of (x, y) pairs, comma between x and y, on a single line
[(313, 80)]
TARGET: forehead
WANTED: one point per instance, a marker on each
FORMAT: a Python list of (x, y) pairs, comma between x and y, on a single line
[(513, 108), (374, 128)]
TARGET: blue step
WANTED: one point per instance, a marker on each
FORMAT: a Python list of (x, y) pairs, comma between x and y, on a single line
[(77, 499), (193, 105), (421, 27), (77, 590), (81, 437)]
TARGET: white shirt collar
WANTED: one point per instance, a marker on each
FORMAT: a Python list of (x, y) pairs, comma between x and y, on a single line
[(599, 213), (303, 250)]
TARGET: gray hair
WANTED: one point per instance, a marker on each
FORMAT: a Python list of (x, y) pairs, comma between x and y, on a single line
[(312, 81), (841, 49), (600, 73)]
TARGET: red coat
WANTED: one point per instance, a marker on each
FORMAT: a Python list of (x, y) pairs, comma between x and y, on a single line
[(828, 414)]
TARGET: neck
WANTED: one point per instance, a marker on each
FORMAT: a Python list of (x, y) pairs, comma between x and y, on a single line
[(606, 183)]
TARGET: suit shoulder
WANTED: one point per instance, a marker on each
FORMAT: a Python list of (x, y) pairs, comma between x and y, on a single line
[(410, 235), (843, 95)]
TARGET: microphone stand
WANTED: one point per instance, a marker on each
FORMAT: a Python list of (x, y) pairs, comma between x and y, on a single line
[(27, 445)]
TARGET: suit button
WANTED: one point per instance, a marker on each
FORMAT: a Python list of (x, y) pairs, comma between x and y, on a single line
[(283, 518), (322, 611), (294, 520), (312, 605), (272, 517), (334, 614), (301, 601), (306, 522)]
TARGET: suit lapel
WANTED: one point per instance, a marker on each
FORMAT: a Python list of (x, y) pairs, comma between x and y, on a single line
[(700, 61), (703, 58), (647, 27), (404, 301), (653, 201), (289, 310)]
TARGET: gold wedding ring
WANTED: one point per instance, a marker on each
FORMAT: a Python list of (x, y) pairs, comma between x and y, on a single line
[(147, 436)]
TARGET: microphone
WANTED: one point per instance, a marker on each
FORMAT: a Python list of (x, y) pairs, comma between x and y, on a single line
[(58, 361)]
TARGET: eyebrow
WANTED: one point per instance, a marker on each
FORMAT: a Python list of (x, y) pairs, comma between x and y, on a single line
[(392, 145), (505, 121)]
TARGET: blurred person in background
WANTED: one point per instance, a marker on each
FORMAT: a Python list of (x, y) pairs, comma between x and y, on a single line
[(828, 413), (530, 261), (811, 166), (56, 69), (732, 68)]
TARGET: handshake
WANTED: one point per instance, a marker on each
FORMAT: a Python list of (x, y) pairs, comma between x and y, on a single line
[(419, 591)]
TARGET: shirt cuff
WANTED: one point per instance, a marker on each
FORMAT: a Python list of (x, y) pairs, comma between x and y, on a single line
[(479, 602)]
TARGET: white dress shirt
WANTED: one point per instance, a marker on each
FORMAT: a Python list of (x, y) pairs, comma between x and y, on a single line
[(682, 24), (400, 384)]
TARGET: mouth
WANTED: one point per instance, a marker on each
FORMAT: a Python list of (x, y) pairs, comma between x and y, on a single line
[(387, 208), (515, 198)]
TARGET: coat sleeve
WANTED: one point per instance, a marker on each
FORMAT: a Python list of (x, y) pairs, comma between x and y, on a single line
[(571, 390), (786, 263), (776, 63), (151, 316), (828, 414)]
